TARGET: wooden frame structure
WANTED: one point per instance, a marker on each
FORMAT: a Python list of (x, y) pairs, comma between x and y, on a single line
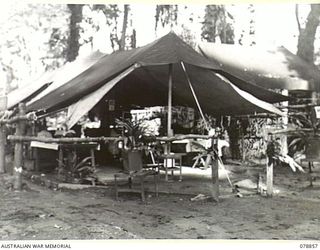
[(20, 138)]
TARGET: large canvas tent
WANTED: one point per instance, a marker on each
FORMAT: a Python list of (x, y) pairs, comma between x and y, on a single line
[(275, 68), (51, 80), (140, 77)]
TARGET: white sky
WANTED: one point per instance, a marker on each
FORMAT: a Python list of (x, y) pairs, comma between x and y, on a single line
[(275, 24)]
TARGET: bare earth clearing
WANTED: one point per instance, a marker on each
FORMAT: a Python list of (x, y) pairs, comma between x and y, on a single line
[(39, 213)]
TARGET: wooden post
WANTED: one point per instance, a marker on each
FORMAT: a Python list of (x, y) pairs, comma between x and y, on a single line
[(3, 136), (93, 159), (215, 179), (35, 150), (3, 142), (285, 121), (215, 173), (167, 147), (169, 128), (269, 177), (18, 150)]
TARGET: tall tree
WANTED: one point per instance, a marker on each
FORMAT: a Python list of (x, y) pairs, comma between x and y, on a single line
[(215, 24), (122, 41), (25, 36), (307, 37), (74, 35), (112, 14), (247, 36), (308, 33), (166, 15)]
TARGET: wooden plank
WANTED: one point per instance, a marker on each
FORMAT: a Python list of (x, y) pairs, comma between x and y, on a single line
[(182, 137), (60, 140), (26, 117), (99, 139), (78, 186)]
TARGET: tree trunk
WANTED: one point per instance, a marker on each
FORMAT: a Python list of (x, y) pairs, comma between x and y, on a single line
[(307, 34), (122, 42), (73, 41)]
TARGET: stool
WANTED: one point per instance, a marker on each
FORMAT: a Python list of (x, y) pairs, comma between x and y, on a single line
[(172, 157)]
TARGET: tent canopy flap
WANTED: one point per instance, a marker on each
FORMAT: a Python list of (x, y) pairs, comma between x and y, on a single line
[(85, 104), (275, 68)]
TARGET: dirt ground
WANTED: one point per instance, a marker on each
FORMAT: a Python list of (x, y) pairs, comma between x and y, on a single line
[(39, 213)]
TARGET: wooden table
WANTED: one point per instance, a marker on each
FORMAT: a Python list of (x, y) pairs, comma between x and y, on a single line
[(75, 147)]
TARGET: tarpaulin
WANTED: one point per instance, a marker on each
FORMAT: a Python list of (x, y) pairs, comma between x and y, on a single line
[(150, 80), (275, 68), (51, 80), (85, 104)]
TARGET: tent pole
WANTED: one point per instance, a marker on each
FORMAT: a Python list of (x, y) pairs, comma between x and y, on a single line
[(169, 128)]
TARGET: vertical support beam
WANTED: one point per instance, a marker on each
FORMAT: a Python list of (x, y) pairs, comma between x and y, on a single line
[(18, 150), (3, 142), (315, 98), (169, 128), (285, 125), (3, 136), (215, 173), (36, 159), (167, 147), (60, 157), (215, 179), (243, 150), (93, 159), (35, 151), (269, 177)]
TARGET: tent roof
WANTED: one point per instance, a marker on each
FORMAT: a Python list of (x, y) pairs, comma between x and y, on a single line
[(51, 80), (151, 76), (276, 68), (28, 91)]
